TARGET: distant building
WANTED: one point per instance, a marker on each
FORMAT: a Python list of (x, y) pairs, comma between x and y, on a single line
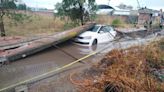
[(145, 16), (126, 13), (42, 11), (122, 12), (116, 11), (104, 10)]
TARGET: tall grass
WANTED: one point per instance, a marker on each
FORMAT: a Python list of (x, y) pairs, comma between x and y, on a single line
[(36, 24), (129, 70)]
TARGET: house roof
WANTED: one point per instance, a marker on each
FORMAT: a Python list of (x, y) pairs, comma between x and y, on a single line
[(103, 6), (145, 10)]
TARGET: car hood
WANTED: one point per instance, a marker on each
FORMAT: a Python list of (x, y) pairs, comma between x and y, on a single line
[(87, 33)]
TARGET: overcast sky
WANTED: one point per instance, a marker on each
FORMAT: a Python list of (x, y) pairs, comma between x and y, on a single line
[(153, 4)]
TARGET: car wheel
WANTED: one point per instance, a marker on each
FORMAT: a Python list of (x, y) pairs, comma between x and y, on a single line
[(94, 45), (94, 42)]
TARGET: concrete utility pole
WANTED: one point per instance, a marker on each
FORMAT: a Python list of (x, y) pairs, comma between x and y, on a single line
[(43, 43)]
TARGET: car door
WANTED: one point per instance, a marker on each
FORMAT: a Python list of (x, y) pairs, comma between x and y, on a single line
[(103, 34), (111, 33)]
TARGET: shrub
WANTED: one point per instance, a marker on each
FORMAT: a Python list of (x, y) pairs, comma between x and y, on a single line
[(136, 69), (116, 23)]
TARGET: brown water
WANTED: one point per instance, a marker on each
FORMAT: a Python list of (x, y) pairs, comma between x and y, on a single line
[(40, 63)]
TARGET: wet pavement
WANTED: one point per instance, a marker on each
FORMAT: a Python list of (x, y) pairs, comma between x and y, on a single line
[(40, 63), (61, 82)]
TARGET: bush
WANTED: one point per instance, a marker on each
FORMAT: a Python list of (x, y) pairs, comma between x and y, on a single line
[(116, 23)]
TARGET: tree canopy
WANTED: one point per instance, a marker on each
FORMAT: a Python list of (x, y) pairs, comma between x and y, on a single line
[(76, 9), (7, 4), (22, 7)]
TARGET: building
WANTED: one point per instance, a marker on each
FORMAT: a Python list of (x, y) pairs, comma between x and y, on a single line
[(104, 10), (146, 16)]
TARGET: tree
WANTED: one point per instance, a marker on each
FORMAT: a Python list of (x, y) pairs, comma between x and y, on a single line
[(76, 9), (22, 7), (5, 8)]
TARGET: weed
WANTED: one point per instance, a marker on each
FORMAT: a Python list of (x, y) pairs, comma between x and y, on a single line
[(116, 23), (33, 24), (128, 70)]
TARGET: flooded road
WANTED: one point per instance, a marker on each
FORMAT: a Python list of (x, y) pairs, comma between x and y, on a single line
[(54, 58), (40, 63)]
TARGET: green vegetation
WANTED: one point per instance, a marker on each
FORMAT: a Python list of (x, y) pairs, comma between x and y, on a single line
[(36, 24), (22, 7), (116, 23), (7, 9), (25, 23), (75, 9)]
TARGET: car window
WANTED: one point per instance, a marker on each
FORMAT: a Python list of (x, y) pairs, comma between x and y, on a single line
[(108, 28), (104, 29), (94, 28)]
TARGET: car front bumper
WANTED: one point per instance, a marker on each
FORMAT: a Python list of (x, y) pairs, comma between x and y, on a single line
[(83, 41)]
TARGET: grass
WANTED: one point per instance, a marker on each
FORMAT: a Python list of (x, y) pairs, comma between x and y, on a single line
[(116, 21), (36, 24), (43, 24), (129, 70)]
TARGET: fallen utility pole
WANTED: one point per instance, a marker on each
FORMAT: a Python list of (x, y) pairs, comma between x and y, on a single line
[(35, 46)]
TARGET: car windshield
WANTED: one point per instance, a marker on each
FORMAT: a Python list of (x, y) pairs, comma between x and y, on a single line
[(94, 29)]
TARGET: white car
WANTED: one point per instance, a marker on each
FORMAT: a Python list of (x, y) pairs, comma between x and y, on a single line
[(95, 35)]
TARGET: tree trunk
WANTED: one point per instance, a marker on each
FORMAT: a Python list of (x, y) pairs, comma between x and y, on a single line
[(2, 29), (82, 13)]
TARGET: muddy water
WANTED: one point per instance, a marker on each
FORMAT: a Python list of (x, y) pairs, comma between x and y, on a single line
[(40, 63)]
